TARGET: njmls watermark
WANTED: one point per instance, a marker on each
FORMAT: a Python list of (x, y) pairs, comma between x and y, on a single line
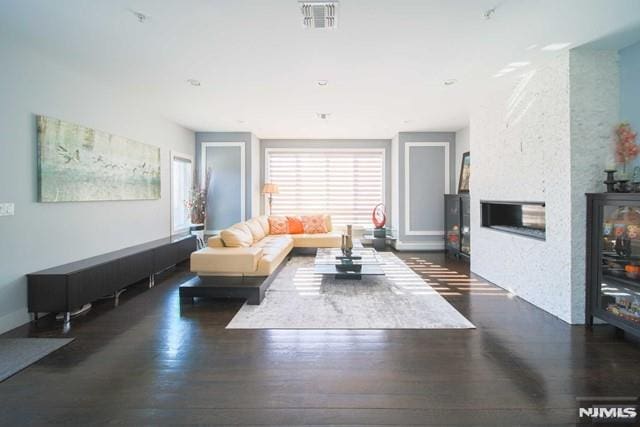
[(608, 410)]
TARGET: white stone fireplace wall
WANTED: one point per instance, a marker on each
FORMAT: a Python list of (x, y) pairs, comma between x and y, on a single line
[(548, 140)]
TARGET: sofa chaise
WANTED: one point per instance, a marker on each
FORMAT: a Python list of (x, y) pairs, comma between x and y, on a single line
[(243, 259)]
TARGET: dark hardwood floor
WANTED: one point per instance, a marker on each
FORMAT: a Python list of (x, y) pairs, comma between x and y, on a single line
[(151, 361)]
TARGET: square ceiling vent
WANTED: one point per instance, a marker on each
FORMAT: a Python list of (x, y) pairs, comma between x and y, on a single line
[(319, 14)]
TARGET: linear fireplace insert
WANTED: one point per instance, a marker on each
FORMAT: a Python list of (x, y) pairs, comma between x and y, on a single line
[(523, 218)]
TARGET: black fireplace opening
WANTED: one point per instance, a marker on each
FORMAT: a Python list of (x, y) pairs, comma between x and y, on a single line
[(523, 218)]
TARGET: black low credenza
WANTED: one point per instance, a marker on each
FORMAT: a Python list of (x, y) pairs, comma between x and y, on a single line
[(68, 287)]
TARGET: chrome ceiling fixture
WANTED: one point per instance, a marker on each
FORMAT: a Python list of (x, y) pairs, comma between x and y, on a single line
[(323, 116), (489, 13), (319, 14), (194, 82)]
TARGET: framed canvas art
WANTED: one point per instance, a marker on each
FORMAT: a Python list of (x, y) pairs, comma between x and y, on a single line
[(77, 164), (463, 184)]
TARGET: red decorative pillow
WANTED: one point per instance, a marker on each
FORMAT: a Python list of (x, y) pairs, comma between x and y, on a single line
[(295, 225), (278, 225), (314, 224)]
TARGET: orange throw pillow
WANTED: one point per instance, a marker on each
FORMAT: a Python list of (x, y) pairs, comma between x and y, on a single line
[(314, 224), (295, 225), (278, 225)]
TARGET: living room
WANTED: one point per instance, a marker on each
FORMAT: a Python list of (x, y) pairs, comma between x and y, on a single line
[(347, 212)]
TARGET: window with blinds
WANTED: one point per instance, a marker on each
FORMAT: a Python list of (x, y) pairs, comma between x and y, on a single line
[(181, 182), (345, 183)]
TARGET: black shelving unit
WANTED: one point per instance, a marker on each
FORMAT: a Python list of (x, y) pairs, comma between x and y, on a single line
[(457, 225), (613, 260)]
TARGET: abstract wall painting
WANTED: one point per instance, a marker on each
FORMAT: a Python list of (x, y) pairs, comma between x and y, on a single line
[(465, 173), (77, 163)]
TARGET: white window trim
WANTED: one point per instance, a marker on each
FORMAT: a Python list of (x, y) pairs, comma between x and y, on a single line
[(243, 172), (407, 185), (174, 155), (382, 151)]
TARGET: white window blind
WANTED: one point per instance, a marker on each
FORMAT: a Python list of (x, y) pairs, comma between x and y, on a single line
[(344, 183), (181, 183)]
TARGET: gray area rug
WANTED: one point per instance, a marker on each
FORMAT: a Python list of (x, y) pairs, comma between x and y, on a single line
[(300, 299), (18, 353)]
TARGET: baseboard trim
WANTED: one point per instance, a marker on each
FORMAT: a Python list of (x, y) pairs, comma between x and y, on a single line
[(13, 320), (418, 246)]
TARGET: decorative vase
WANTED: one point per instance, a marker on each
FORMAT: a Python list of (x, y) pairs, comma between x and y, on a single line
[(610, 182), (346, 245)]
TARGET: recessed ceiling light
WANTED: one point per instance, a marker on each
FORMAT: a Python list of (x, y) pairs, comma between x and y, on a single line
[(518, 64), (323, 116), (506, 70), (407, 121), (241, 122), (322, 82), (533, 46), (194, 82), (450, 82), (556, 46), (142, 18), (498, 75)]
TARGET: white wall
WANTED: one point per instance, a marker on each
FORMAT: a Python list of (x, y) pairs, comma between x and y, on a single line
[(545, 141), (43, 235), (462, 146)]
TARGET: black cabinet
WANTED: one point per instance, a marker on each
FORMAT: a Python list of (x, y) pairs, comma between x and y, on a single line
[(457, 225), (70, 286), (613, 260)]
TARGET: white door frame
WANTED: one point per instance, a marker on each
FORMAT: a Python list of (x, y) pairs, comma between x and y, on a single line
[(243, 172), (173, 155)]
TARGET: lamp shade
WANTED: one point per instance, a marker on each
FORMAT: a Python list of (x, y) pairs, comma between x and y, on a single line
[(270, 188)]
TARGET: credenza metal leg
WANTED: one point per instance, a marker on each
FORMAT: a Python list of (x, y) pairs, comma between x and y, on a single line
[(35, 316), (66, 326), (116, 295), (152, 280)]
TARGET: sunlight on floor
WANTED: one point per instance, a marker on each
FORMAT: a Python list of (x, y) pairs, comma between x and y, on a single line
[(451, 282)]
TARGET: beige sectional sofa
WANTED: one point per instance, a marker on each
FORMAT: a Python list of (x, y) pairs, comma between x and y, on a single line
[(249, 249)]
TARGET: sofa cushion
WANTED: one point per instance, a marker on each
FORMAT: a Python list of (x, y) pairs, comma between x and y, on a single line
[(273, 256), (226, 260), (294, 223), (317, 240), (278, 225), (215, 242), (256, 229), (264, 222), (238, 235), (329, 224), (276, 242), (314, 224)]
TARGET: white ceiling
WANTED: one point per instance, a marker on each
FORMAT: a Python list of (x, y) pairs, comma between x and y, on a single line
[(386, 63)]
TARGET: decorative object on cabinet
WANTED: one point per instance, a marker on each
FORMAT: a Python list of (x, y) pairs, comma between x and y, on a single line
[(457, 225), (77, 164), (610, 182), (613, 260), (626, 149), (379, 216), (465, 173)]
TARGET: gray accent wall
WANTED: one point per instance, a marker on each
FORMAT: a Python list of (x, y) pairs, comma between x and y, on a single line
[(242, 137), (225, 183), (333, 143), (427, 187), (42, 235)]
